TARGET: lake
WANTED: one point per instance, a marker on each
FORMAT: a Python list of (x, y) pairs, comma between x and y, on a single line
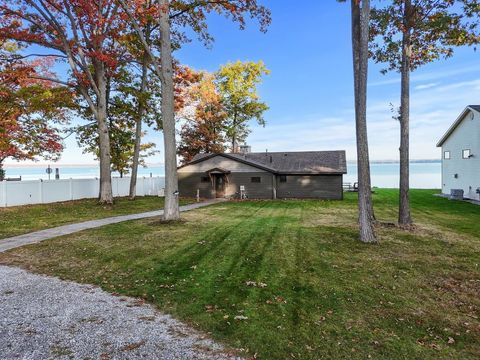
[(423, 175), (71, 171)]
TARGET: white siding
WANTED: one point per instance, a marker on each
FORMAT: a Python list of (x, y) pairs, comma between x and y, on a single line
[(465, 136), (219, 162)]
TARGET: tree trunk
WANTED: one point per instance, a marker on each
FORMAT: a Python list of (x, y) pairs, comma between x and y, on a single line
[(171, 211), (360, 29), (138, 128), (2, 172), (404, 217), (106, 195), (234, 133)]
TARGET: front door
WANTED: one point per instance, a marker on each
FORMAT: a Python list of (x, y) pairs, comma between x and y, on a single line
[(220, 186)]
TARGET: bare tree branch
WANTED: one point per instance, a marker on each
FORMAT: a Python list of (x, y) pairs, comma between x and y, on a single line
[(46, 78)]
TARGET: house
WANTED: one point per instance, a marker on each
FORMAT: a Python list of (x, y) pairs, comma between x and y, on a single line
[(268, 175), (461, 154)]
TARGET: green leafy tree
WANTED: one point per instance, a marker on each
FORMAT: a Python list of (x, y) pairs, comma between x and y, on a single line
[(32, 110), (130, 102), (237, 86), (122, 145), (171, 17), (135, 102), (204, 127), (86, 36), (407, 34)]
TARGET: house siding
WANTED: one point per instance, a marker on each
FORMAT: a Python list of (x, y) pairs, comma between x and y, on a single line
[(190, 182), (465, 136), (310, 186), (219, 162), (262, 190), (325, 186)]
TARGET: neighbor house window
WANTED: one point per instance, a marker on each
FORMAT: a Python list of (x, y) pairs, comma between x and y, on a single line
[(283, 178), (466, 154), (446, 155), (205, 179), (256, 179)]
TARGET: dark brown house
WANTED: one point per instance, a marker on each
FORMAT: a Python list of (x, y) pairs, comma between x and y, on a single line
[(310, 174)]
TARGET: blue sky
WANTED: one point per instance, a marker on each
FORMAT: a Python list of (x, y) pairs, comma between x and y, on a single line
[(310, 91)]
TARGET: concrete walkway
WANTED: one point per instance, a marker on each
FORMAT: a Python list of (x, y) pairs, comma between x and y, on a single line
[(38, 236), (47, 318)]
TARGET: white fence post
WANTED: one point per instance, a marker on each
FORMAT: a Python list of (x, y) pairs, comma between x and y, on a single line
[(71, 188), (4, 193), (40, 191)]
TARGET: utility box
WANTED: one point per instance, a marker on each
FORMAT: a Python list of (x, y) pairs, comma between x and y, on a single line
[(456, 194)]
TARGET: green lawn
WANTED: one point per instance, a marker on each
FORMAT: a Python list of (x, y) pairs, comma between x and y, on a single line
[(318, 292), (23, 219)]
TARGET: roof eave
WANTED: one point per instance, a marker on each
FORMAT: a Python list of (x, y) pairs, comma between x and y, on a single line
[(452, 128), (228, 156), (311, 173), (197, 161)]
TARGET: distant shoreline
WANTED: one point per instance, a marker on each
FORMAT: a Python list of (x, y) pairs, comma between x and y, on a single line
[(424, 174), (54, 165), (425, 161)]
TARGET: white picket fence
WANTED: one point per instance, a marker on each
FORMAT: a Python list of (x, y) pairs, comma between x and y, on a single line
[(15, 193)]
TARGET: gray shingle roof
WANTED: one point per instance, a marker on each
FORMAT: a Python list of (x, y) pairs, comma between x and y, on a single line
[(475, 107), (301, 162)]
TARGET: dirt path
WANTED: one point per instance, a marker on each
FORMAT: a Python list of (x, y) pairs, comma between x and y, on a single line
[(38, 236)]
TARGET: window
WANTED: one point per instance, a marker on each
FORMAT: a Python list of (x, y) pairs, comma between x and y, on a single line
[(256, 179), (283, 178), (446, 155), (205, 179), (466, 154)]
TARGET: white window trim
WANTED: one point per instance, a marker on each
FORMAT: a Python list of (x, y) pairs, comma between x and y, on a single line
[(469, 153)]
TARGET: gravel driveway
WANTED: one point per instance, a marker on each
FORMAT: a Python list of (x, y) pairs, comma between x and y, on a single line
[(46, 318)]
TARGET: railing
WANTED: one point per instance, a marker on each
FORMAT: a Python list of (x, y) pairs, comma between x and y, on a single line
[(350, 187)]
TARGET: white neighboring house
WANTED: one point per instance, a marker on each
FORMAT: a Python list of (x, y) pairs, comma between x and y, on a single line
[(461, 154)]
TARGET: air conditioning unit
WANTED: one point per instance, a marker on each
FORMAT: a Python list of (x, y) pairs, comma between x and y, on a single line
[(456, 194)]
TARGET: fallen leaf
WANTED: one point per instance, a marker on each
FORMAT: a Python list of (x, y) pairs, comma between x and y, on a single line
[(133, 346), (209, 308)]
